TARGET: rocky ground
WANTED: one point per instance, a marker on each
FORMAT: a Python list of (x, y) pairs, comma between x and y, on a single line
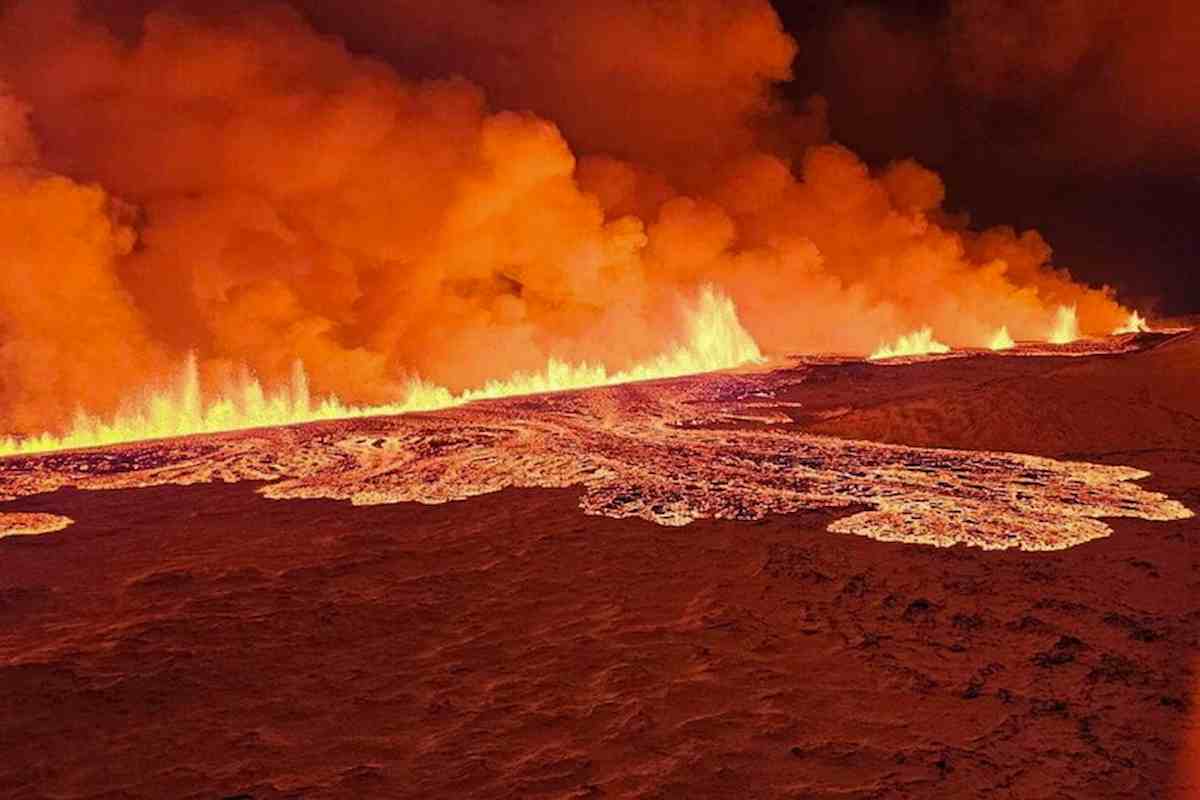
[(208, 641)]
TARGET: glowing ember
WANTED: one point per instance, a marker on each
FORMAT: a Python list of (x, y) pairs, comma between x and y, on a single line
[(1001, 340), (716, 340), (918, 343), (1066, 326)]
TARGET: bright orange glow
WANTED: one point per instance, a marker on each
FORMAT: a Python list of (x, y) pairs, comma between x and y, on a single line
[(917, 343), (1001, 340), (238, 186), (624, 448), (715, 340), (1135, 324), (1066, 326), (21, 523)]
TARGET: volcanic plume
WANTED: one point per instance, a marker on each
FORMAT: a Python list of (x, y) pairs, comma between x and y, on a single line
[(235, 185)]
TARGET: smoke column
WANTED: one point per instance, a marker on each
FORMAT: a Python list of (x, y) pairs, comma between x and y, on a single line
[(517, 182)]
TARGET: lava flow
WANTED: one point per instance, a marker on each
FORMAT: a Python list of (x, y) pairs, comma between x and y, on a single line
[(715, 340), (666, 451), (918, 343)]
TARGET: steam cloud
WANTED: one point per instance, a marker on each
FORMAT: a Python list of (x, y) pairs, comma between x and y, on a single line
[(233, 183)]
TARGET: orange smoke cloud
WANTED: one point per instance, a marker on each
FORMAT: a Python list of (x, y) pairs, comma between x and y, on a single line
[(240, 187), (65, 318), (678, 85)]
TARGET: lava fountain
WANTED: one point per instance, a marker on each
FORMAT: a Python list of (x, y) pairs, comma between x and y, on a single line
[(714, 340)]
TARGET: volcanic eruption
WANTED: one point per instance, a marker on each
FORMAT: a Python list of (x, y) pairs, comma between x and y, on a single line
[(517, 398), (235, 187)]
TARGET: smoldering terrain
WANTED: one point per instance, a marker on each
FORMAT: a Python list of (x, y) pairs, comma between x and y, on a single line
[(189, 636)]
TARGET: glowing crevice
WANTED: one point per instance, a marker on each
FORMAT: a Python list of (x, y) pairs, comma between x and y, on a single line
[(31, 524), (668, 453), (715, 341)]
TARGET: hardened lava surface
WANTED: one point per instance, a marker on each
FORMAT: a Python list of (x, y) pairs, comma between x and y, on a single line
[(189, 636), (670, 452)]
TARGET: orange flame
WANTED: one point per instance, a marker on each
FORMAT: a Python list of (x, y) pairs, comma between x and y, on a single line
[(917, 343), (1135, 324), (715, 341), (1001, 340), (242, 187), (1066, 326)]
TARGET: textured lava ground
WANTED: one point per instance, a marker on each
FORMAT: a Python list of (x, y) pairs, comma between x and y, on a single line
[(207, 641)]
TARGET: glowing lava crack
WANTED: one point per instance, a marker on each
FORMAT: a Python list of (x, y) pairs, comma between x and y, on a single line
[(29, 524), (668, 452)]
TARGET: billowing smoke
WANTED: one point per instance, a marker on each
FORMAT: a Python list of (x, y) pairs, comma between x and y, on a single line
[(234, 184), (68, 328)]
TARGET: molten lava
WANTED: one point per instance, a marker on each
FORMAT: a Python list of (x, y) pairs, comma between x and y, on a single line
[(1001, 340), (715, 340), (917, 343), (1066, 326), (669, 452), (1135, 324)]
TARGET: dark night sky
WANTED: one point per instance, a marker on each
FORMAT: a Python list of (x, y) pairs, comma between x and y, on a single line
[(1133, 227)]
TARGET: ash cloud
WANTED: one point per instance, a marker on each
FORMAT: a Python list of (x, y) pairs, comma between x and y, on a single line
[(515, 182)]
